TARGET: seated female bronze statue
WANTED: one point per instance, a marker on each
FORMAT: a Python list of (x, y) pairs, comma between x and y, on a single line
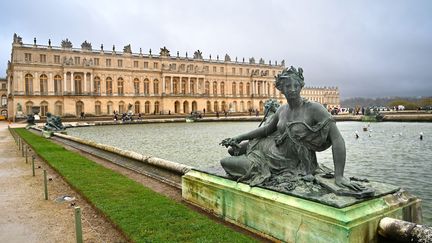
[(283, 150)]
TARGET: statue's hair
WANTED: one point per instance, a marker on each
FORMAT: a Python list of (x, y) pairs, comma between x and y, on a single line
[(291, 72)]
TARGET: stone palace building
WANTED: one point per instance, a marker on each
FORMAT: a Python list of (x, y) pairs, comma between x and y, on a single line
[(66, 81)]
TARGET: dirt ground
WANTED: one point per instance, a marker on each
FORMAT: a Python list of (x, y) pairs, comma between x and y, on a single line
[(25, 214)]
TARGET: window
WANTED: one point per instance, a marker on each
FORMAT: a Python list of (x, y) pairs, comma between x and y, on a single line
[(241, 88), (108, 62), (28, 84), (77, 60), (156, 87), (137, 107), (3, 100), (120, 63), (248, 91), (98, 110), (241, 71), (146, 86), (29, 107), (207, 88), (145, 64), (43, 108), (222, 88), (221, 69), (136, 86), (56, 59), (96, 61), (155, 65), (121, 107), (156, 107), (57, 84), (192, 87), (110, 108), (78, 84), (214, 69), (58, 108), (147, 107), (234, 89), (43, 84), (109, 86), (3, 86), (183, 86), (42, 58), (97, 86), (135, 64), (27, 57), (214, 87), (233, 70), (120, 89)]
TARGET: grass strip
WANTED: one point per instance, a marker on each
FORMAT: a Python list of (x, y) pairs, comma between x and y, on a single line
[(143, 215)]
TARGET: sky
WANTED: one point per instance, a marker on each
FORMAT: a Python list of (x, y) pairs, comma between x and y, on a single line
[(366, 48)]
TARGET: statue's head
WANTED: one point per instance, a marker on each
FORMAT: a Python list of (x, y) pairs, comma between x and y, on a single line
[(289, 74), (271, 105), (48, 114)]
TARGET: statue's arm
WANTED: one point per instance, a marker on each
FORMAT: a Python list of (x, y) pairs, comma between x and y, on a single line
[(263, 131), (338, 150)]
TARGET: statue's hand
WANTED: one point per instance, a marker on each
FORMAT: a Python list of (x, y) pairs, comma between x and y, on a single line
[(230, 142), (343, 182)]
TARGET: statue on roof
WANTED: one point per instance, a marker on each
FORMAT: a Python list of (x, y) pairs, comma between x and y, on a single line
[(197, 54), (66, 43), (252, 60), (127, 49), (227, 58), (17, 39), (261, 61), (164, 52), (86, 46)]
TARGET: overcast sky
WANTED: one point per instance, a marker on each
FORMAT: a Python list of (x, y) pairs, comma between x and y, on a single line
[(366, 48)]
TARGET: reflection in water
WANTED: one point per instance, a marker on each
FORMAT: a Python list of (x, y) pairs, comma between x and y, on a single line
[(388, 152)]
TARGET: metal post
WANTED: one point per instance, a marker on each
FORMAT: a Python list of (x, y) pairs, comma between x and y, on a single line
[(26, 149), (45, 185), (19, 143), (33, 168), (78, 227), (22, 149)]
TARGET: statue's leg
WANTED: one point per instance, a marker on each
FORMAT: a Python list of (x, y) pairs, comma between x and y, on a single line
[(236, 166)]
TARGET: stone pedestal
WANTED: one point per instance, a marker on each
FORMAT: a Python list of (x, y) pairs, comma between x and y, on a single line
[(293, 219)]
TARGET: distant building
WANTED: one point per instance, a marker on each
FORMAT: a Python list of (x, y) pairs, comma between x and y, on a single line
[(67, 81), (3, 97)]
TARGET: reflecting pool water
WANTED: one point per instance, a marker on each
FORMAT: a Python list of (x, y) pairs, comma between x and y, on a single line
[(387, 152)]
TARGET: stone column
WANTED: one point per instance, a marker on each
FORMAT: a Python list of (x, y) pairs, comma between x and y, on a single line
[(163, 84), (253, 87), (36, 83), (8, 86), (85, 82), (92, 83), (72, 83), (50, 84), (64, 82), (188, 90), (171, 85)]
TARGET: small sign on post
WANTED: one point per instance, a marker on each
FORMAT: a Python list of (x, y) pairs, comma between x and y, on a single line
[(78, 226)]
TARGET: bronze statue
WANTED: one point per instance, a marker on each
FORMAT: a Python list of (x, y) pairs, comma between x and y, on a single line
[(281, 153), (53, 123)]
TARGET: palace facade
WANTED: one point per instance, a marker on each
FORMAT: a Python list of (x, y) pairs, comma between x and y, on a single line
[(67, 81)]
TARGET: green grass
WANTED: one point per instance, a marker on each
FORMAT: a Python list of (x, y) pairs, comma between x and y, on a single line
[(143, 215)]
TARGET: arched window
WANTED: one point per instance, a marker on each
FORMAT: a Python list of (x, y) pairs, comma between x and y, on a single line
[(147, 107), (137, 107), (78, 84), (249, 106), (156, 86), (121, 107), (136, 86), (223, 104), (209, 106), (194, 106), (110, 108), (57, 85), (222, 88), (98, 109), (207, 88), (177, 107), (29, 107), (176, 85), (234, 106), (43, 84), (242, 108), (120, 88), (259, 88), (216, 106), (58, 108), (261, 106), (156, 107), (241, 88), (79, 107), (146, 86), (234, 89), (43, 108), (185, 107), (97, 86), (109, 90), (28, 84), (214, 88)]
